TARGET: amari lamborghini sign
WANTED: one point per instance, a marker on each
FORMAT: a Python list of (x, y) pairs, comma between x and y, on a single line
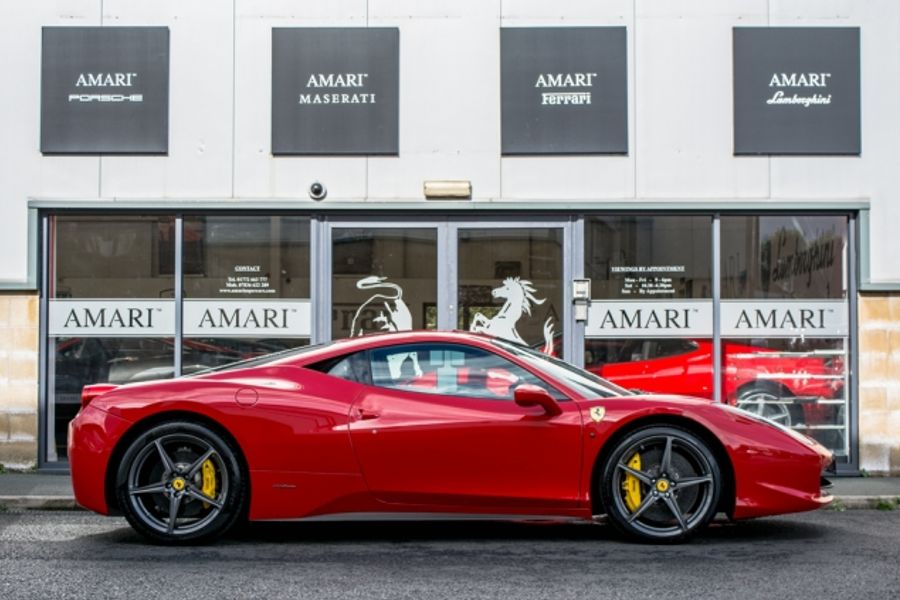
[(796, 90)]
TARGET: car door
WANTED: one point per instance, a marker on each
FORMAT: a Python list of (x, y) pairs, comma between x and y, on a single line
[(439, 427)]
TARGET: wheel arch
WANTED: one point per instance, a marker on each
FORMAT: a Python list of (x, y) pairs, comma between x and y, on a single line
[(147, 423), (727, 497)]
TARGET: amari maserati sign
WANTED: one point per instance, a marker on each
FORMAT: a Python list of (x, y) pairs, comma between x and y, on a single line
[(105, 90), (335, 90), (796, 90), (564, 90)]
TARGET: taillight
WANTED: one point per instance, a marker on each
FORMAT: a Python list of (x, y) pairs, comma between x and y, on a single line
[(89, 392)]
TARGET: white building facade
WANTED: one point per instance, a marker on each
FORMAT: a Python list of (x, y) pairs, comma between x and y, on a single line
[(683, 196)]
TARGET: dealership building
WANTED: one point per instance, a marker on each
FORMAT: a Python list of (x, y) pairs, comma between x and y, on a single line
[(684, 196)]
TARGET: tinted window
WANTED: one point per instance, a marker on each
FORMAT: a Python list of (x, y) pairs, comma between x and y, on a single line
[(587, 384), (450, 369), (352, 367)]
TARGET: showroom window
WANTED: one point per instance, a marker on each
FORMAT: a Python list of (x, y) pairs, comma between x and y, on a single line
[(246, 287), (111, 313), (650, 326), (112, 301), (785, 322)]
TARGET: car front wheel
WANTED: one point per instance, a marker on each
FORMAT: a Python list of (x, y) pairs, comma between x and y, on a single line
[(660, 484), (180, 482)]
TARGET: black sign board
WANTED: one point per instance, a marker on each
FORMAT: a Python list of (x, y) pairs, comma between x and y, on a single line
[(105, 90), (796, 90), (335, 90), (564, 90)]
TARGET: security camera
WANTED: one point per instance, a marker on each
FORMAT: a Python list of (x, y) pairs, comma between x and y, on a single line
[(317, 190)]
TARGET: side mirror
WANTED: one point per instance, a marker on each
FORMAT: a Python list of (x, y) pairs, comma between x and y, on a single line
[(527, 395)]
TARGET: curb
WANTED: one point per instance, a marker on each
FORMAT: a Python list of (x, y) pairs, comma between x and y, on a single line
[(840, 503), (865, 503), (38, 503)]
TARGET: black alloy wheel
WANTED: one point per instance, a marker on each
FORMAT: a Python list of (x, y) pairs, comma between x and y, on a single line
[(660, 484), (181, 482)]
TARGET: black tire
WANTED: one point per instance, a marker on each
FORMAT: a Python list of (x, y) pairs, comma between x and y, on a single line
[(674, 501), (165, 468)]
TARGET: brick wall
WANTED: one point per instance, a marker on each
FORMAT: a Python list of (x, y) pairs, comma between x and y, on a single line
[(879, 383), (18, 379)]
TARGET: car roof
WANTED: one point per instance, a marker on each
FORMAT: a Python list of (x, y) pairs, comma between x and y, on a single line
[(376, 340)]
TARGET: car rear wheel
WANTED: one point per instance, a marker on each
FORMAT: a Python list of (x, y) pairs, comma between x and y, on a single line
[(660, 484), (180, 482)]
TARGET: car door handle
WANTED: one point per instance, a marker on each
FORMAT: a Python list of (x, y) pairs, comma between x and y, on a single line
[(366, 415)]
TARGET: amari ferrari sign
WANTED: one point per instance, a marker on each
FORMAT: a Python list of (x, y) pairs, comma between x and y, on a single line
[(335, 90), (105, 90), (796, 90), (564, 90)]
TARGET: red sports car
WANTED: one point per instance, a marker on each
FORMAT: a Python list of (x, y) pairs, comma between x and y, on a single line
[(781, 386), (426, 423)]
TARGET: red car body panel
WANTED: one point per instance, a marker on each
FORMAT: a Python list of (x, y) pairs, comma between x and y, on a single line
[(315, 444)]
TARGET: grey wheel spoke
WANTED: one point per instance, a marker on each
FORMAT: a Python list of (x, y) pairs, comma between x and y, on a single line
[(174, 505), (666, 464), (153, 488), (691, 481), (167, 462), (199, 463), (648, 501), (639, 475), (201, 496), (676, 511), (780, 418)]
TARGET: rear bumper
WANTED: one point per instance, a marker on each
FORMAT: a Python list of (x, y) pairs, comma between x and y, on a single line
[(93, 435)]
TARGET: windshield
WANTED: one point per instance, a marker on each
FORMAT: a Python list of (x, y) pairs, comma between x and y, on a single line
[(258, 361), (587, 384)]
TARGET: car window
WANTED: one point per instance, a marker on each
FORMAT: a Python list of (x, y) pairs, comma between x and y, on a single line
[(354, 367), (450, 369), (587, 384), (672, 347)]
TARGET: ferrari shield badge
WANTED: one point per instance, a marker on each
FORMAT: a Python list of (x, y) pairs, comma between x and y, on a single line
[(597, 413)]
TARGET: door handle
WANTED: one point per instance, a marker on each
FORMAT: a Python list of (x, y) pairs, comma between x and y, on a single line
[(366, 415)]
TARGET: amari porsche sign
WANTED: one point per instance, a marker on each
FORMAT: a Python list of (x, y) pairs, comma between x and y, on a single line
[(796, 90), (335, 90), (105, 90), (564, 90)]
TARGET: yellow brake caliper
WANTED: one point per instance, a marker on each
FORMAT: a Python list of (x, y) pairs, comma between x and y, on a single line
[(209, 480), (631, 485)]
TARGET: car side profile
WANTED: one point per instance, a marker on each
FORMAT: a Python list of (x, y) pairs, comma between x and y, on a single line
[(426, 423)]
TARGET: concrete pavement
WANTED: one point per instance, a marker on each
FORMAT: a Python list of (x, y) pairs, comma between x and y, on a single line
[(54, 491)]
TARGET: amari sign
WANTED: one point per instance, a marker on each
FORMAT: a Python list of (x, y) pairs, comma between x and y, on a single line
[(790, 318), (111, 318), (564, 90), (335, 90), (250, 318), (105, 90), (796, 90), (671, 318)]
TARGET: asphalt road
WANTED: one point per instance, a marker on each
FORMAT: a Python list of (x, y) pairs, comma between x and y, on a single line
[(827, 554)]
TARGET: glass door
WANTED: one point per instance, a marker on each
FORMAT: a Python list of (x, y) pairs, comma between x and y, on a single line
[(383, 278), (510, 283), (501, 278)]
